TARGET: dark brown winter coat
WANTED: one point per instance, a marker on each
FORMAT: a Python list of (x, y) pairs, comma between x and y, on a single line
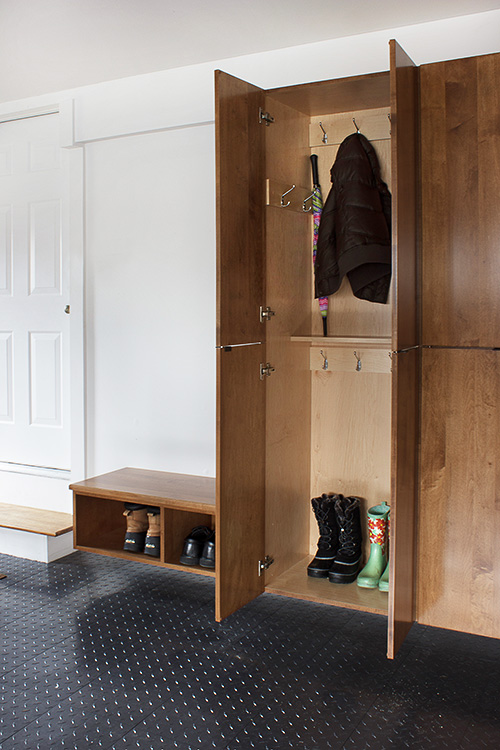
[(355, 229)]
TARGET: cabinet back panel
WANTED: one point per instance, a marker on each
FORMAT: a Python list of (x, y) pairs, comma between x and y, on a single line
[(348, 315), (351, 439)]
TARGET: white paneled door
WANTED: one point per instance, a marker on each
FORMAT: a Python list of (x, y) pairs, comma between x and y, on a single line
[(34, 294)]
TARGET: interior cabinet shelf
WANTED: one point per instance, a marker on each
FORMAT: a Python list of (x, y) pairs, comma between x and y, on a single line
[(296, 584), (368, 342)]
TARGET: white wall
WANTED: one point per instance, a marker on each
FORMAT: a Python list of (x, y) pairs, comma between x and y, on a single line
[(150, 238), (150, 273)]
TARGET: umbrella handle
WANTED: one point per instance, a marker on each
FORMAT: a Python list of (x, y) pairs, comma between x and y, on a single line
[(314, 165)]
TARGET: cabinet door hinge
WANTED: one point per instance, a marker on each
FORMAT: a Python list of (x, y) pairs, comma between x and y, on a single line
[(266, 370), (266, 313), (265, 563), (265, 117)]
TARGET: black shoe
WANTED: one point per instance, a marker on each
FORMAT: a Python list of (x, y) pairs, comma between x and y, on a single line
[(194, 544), (324, 510), (207, 559), (347, 563)]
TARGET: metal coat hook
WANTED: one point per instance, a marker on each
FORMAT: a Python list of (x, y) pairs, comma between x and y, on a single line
[(358, 362), (390, 123), (309, 198), (283, 204), (325, 137), (354, 121), (325, 361)]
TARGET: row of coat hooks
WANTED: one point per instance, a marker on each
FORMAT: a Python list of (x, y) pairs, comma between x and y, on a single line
[(292, 197), (324, 137), (304, 202)]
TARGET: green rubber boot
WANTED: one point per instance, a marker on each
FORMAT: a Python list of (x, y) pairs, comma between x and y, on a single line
[(377, 562), (383, 584)]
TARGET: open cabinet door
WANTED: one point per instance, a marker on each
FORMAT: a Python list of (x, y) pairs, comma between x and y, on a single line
[(403, 75), (240, 484)]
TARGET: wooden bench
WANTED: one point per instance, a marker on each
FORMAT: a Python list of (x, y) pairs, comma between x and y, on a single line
[(35, 534)]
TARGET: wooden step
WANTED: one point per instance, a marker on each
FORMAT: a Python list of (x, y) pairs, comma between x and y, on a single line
[(35, 520)]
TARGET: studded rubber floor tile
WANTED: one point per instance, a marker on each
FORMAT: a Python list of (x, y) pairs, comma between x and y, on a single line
[(102, 653)]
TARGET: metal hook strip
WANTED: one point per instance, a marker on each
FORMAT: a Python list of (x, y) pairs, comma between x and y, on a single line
[(309, 198), (283, 204)]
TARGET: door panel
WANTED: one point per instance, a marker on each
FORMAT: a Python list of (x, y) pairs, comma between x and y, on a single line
[(240, 485), (240, 210), (405, 335), (460, 156), (459, 528), (34, 291), (240, 391), (403, 76), (402, 531)]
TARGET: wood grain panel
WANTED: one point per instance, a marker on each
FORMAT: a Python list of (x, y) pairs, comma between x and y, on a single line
[(348, 315), (404, 334), (403, 510), (297, 584), (240, 199), (404, 197), (343, 359), (459, 529), (240, 477), (351, 439), (35, 520), (373, 123), (288, 293), (460, 137), (341, 95), (184, 491)]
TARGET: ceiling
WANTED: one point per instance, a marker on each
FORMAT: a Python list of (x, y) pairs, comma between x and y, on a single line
[(50, 45)]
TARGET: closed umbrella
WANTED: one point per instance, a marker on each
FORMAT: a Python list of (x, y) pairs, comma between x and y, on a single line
[(317, 203)]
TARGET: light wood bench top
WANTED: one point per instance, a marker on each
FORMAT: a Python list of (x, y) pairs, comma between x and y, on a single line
[(35, 520)]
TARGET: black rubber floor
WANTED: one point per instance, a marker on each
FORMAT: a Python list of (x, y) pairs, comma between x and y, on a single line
[(101, 653)]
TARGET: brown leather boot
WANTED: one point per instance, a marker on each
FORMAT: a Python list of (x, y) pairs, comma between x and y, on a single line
[(152, 545), (137, 525)]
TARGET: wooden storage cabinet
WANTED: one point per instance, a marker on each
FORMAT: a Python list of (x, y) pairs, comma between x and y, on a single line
[(459, 515), (184, 502), (304, 430)]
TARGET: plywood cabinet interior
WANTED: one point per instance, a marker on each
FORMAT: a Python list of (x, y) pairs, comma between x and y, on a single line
[(305, 430)]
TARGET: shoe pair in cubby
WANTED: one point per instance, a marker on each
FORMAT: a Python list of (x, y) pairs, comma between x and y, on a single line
[(199, 547), (339, 555), (143, 529)]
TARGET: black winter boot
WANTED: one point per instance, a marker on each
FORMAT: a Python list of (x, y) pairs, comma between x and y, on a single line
[(324, 510), (347, 561)]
